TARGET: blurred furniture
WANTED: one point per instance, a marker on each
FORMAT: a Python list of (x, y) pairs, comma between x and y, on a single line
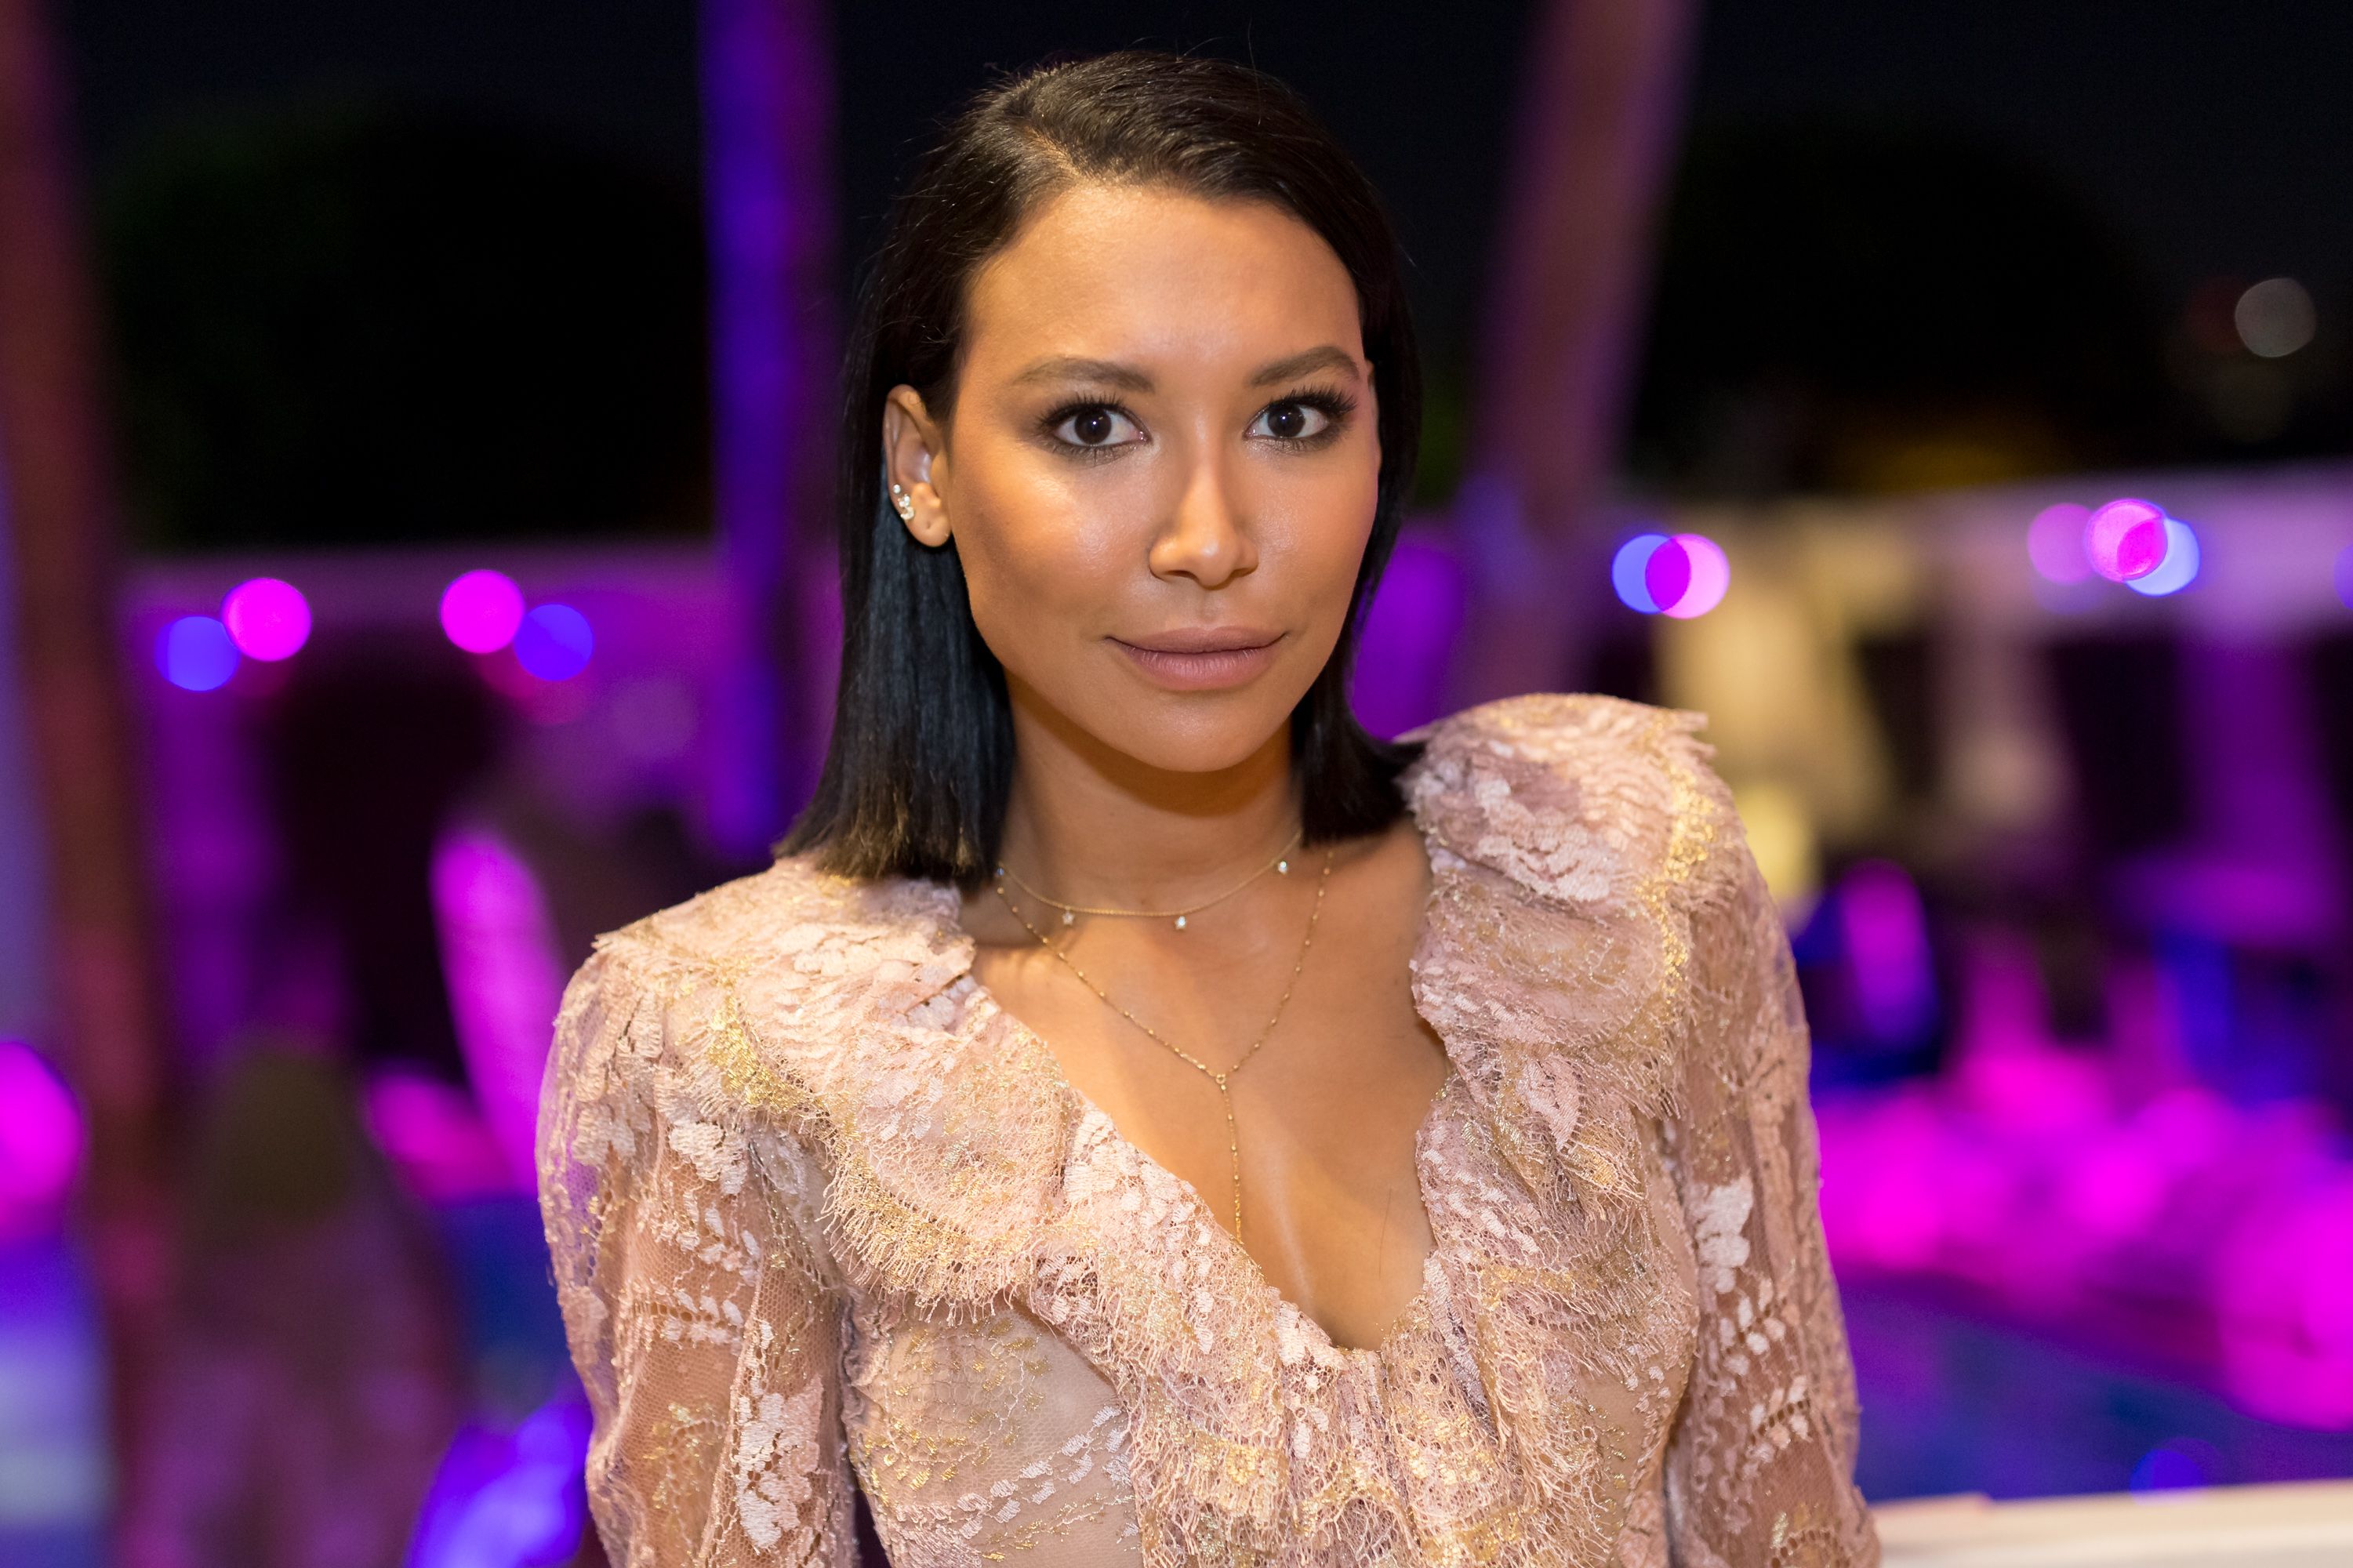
[(2306, 1524)]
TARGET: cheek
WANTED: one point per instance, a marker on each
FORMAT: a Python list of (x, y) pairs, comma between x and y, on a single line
[(1328, 547), (1038, 571)]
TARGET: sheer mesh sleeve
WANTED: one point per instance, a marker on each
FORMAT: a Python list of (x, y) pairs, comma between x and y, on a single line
[(1760, 1464), (695, 1310)]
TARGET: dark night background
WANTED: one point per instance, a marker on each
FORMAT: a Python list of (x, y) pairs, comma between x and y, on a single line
[(2051, 186)]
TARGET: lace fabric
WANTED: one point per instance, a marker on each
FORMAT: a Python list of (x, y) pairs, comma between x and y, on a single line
[(824, 1216)]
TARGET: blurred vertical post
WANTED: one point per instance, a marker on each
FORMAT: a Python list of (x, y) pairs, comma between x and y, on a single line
[(62, 520), (767, 91), (1595, 140)]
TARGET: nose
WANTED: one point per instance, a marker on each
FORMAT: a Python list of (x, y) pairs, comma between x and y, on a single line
[(1205, 538)]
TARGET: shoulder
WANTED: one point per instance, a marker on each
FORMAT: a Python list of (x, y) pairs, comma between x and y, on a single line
[(790, 919), (792, 953), (1580, 799)]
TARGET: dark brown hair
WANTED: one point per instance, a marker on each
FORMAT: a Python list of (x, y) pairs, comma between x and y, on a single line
[(920, 763)]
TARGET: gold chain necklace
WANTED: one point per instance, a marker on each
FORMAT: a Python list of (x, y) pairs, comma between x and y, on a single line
[(1281, 865), (1222, 1079)]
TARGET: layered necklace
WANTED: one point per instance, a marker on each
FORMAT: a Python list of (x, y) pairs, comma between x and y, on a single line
[(1280, 866)]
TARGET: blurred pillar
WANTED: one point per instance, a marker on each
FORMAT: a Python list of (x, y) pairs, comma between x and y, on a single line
[(767, 87), (61, 523), (1595, 143)]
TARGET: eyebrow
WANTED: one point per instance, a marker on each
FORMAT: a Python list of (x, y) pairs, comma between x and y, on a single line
[(1327, 357), (1127, 378), (1103, 371)]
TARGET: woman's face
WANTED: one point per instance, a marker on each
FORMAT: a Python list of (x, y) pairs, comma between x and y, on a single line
[(1161, 468)]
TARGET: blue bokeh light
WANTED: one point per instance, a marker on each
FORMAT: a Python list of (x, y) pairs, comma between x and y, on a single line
[(2175, 1465), (1628, 569), (554, 642), (2179, 567), (196, 653)]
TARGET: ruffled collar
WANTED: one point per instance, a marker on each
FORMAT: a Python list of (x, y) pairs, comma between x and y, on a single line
[(860, 1016)]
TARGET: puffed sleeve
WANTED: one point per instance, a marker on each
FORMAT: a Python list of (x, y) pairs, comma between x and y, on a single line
[(696, 1312), (1760, 1464)]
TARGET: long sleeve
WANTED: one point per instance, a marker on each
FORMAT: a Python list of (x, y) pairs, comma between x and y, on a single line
[(695, 1309), (1760, 1464)]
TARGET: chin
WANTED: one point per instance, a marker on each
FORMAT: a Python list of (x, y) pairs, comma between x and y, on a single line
[(1195, 734)]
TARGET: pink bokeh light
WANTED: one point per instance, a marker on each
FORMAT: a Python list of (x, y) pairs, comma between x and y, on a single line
[(267, 617), (498, 951), (41, 1140), (481, 610), (2054, 543), (2126, 539), (1709, 576)]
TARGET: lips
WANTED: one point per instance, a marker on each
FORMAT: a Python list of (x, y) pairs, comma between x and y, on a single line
[(1201, 659)]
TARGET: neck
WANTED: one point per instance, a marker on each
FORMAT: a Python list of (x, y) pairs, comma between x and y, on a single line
[(1089, 824)]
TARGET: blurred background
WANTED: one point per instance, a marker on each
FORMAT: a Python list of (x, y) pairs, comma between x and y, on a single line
[(415, 423)]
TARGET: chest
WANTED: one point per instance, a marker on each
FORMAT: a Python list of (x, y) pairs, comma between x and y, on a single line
[(1290, 1096), (1143, 1395)]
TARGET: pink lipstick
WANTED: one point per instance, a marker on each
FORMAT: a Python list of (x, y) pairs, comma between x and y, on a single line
[(1201, 659)]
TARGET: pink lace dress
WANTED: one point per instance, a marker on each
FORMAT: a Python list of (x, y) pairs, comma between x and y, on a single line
[(823, 1215)]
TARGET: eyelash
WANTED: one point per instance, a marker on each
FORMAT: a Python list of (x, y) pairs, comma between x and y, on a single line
[(1334, 402)]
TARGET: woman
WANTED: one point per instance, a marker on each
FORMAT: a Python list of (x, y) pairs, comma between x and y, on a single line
[(1140, 1117)]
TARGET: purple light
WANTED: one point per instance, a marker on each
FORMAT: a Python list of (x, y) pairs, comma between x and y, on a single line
[(1683, 575), (2175, 1464), (267, 619), (554, 642), (1667, 576), (481, 611), (499, 950), (434, 1136), (507, 1498), (2345, 575), (1888, 958), (2126, 539), (1709, 575), (196, 653), (1410, 636), (2054, 543), (40, 1140), (1630, 572)]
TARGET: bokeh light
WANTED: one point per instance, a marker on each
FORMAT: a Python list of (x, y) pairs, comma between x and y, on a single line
[(554, 642), (481, 611), (40, 1138), (2177, 569), (196, 653), (2176, 1464), (267, 617), (1683, 575), (2054, 543), (2275, 318), (1628, 571), (2126, 539), (1707, 577), (2345, 575)]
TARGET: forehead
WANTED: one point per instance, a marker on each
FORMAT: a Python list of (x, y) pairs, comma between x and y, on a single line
[(1145, 272)]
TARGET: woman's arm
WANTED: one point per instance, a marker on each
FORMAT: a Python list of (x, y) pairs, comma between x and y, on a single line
[(696, 1312), (1760, 1466)]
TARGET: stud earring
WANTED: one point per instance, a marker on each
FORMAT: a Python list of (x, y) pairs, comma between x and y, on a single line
[(904, 504)]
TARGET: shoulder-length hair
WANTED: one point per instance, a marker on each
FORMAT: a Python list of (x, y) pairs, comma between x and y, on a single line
[(921, 763)]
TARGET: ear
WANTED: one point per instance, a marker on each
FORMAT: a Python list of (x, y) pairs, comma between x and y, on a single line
[(914, 458)]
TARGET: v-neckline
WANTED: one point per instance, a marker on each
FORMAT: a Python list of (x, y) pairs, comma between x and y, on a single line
[(1079, 1105)]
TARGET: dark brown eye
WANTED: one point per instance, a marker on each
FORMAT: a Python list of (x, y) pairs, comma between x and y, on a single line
[(1291, 422), (1096, 427)]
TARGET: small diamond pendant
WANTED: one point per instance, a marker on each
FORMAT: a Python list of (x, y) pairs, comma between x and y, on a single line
[(1180, 922), (1070, 918), (1282, 868)]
